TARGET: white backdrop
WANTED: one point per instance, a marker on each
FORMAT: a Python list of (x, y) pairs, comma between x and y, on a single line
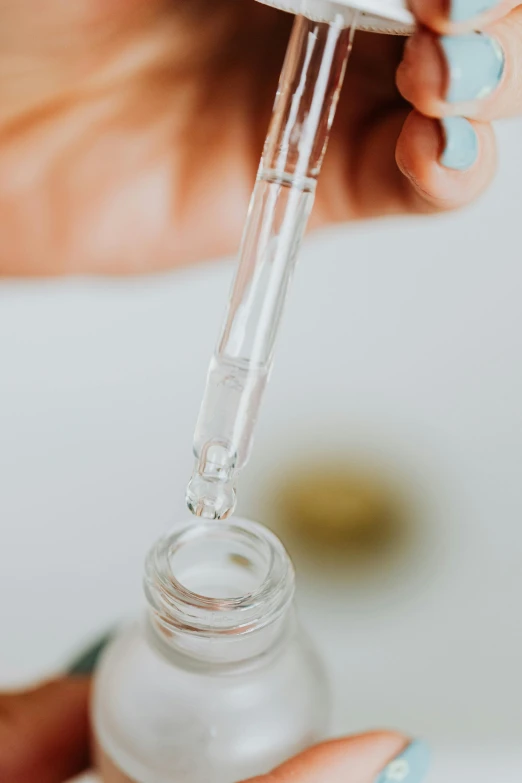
[(403, 341)]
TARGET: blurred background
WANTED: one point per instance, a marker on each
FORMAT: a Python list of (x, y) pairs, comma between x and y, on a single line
[(397, 388)]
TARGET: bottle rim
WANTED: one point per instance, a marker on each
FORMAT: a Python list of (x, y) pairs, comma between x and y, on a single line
[(177, 606)]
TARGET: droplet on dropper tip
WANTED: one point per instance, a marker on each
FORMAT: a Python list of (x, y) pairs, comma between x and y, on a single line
[(210, 499)]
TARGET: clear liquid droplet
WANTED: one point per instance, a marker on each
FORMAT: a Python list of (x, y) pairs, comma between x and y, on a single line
[(209, 498)]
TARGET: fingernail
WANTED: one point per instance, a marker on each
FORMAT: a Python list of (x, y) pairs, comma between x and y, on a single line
[(461, 146), (85, 664), (464, 10), (410, 767), (476, 66)]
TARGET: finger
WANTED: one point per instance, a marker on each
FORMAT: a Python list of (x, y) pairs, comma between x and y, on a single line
[(447, 165), (475, 75), (409, 163), (44, 733), (449, 17), (371, 758)]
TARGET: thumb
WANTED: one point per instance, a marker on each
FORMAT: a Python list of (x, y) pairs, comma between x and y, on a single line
[(44, 732), (370, 758)]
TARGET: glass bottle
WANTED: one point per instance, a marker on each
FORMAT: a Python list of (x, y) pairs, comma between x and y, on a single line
[(218, 683)]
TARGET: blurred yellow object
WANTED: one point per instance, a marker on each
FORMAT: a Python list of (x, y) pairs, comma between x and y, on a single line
[(341, 504)]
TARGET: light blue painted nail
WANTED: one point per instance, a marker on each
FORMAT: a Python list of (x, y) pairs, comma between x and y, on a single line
[(464, 10), (410, 767), (86, 663), (461, 147), (476, 66)]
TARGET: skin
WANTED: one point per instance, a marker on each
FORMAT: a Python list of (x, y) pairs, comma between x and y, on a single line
[(44, 738), (44, 732), (130, 130)]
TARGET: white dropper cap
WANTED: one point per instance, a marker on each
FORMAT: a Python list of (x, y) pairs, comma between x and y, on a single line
[(381, 16)]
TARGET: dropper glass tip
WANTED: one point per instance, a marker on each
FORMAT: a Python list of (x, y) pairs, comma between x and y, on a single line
[(210, 499)]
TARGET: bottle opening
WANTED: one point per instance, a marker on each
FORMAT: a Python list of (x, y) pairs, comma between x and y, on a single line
[(211, 579), (216, 563)]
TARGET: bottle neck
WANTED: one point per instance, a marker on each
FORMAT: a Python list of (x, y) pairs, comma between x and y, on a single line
[(219, 593)]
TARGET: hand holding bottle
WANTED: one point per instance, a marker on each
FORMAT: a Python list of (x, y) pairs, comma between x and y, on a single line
[(45, 736)]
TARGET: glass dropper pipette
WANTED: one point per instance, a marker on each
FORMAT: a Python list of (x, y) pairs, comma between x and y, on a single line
[(281, 203)]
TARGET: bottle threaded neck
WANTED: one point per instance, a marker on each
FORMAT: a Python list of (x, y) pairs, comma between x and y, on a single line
[(219, 589)]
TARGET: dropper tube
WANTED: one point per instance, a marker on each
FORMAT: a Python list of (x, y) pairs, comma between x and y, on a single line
[(281, 203)]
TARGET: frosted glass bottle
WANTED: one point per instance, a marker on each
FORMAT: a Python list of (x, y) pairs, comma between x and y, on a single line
[(218, 683)]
